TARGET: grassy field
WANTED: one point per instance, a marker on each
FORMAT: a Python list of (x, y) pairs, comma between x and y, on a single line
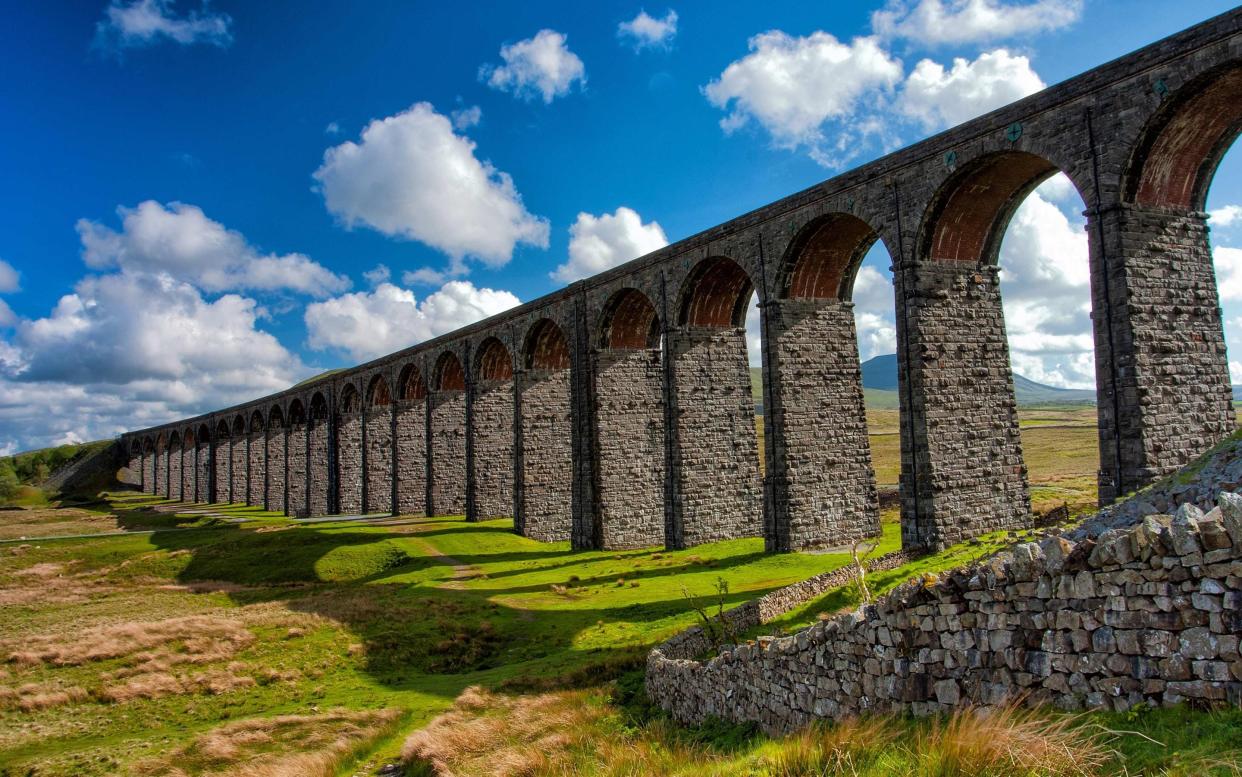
[(223, 640)]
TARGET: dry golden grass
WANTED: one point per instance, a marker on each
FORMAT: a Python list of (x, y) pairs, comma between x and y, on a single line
[(150, 646), (283, 746), (32, 697)]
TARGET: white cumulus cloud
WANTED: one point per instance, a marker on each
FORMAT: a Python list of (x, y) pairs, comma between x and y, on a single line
[(793, 85), (542, 65), (938, 98), (10, 278), (1226, 215), (465, 118), (412, 176), (646, 31), (949, 22), (146, 22), (180, 240), (366, 325), (1228, 263), (599, 242)]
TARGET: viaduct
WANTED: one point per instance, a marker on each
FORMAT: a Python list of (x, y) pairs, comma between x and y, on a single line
[(617, 412)]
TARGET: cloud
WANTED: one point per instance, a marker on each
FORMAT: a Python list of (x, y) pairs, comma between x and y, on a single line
[(792, 86), (180, 240), (645, 31), (939, 98), (1228, 263), (411, 176), (955, 22), (542, 65), (147, 22), (365, 325), (133, 349), (465, 118), (599, 242), (10, 279), (332, 129), (1226, 215), (377, 275)]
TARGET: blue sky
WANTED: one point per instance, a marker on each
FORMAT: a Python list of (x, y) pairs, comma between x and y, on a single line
[(204, 203)]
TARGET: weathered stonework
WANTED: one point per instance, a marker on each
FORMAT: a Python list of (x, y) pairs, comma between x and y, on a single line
[(379, 460), (629, 448), (148, 472), (239, 471), (349, 462), (175, 461), (448, 453), (821, 484), (202, 470), (223, 461), (716, 492), (412, 457), (962, 468), (297, 474), (276, 470), (256, 448), (318, 467), (545, 474), (492, 427)]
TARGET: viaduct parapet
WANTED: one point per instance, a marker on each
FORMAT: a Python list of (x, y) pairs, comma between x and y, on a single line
[(617, 412)]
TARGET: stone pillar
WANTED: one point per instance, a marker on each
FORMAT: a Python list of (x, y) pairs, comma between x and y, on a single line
[(349, 463), (714, 472), (318, 466), (492, 447), (148, 471), (379, 459), (223, 461), (202, 491), (448, 452), (297, 472), (274, 497), (629, 448), (544, 493), (238, 478), (1161, 370), (962, 472), (411, 444), (176, 459), (821, 485), (161, 472), (256, 475)]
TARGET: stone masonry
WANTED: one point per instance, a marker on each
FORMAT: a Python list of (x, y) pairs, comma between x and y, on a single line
[(492, 427), (379, 459), (349, 462), (716, 491), (256, 446), (296, 469), (223, 460), (412, 456), (448, 452), (239, 469), (821, 482), (175, 456), (276, 468), (318, 456), (545, 474)]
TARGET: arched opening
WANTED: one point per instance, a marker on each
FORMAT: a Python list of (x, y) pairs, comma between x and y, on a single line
[(350, 401), (713, 408), (628, 426), (412, 461), (447, 481), (491, 475), (319, 456), (297, 413), (377, 393), (1004, 282), (296, 474), (822, 484), (544, 457), (277, 457)]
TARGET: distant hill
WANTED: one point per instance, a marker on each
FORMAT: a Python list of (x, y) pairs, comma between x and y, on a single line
[(879, 376)]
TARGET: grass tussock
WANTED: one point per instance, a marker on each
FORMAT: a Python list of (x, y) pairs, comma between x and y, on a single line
[(282, 746), (149, 646), (33, 697)]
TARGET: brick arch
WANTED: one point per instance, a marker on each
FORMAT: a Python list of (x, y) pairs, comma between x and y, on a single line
[(969, 214), (239, 425), (350, 401), (256, 420), (223, 431), (715, 294), (318, 408), (297, 413), (275, 417), (410, 384), (449, 375), (493, 362), (188, 437), (824, 257), (1178, 152), (546, 347), (378, 394), (629, 321)]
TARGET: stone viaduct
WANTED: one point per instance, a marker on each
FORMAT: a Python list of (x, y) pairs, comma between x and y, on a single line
[(617, 412)]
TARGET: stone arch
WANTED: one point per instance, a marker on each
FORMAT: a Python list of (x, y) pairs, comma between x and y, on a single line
[(1177, 153), (318, 408), (448, 374), (275, 418), (410, 384), (492, 362), (297, 412), (350, 401), (349, 457), (824, 257), (239, 425), (256, 420), (967, 218), (222, 429), (176, 460), (629, 320), (546, 347), (715, 294), (318, 455), (295, 462), (277, 457), (378, 394)]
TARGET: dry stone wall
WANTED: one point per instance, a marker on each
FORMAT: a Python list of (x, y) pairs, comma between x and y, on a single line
[(349, 463), (379, 460), (1142, 614), (412, 457), (822, 485), (492, 459), (629, 448), (715, 469), (276, 471), (545, 479), (448, 453)]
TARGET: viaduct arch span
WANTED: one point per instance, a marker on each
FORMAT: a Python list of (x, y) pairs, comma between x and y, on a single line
[(617, 412)]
